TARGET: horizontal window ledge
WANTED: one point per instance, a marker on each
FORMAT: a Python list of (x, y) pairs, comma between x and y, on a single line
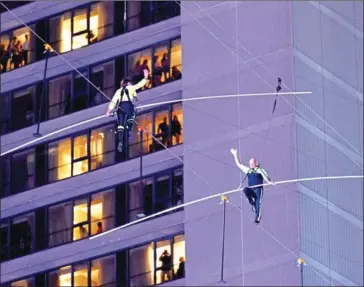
[(94, 181), (34, 11), (91, 248), (93, 54), (167, 92)]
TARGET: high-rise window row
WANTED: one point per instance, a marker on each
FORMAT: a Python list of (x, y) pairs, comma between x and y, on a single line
[(149, 264), (69, 93), (89, 150), (89, 215), (80, 27)]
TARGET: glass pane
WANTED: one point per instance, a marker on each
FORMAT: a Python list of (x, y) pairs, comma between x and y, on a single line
[(80, 219), (5, 50), (177, 121), (21, 235), (141, 265), (80, 275), (25, 44), (103, 77), (103, 271), (134, 9), (161, 127), (59, 160), (146, 121), (23, 170), (177, 187), (80, 147), (29, 282), (5, 176), (80, 20), (176, 59), (60, 32), (80, 167), (61, 277), (162, 193), (80, 93), (179, 254), (79, 41), (60, 224), (101, 21), (59, 96), (22, 108), (163, 261), (137, 62), (102, 147), (140, 201), (4, 233), (160, 65), (102, 211), (4, 113)]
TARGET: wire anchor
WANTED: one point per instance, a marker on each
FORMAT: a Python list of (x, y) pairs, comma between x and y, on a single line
[(224, 200)]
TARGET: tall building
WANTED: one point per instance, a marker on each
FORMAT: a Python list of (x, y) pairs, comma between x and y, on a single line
[(63, 193)]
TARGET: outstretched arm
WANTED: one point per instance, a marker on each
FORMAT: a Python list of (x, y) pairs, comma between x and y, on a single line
[(243, 168), (143, 82)]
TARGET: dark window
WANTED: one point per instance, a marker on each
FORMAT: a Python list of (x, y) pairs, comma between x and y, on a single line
[(140, 199), (23, 171), (4, 236), (177, 187), (22, 108), (5, 176), (60, 224), (59, 95), (80, 93), (21, 235), (162, 193), (103, 77), (4, 114)]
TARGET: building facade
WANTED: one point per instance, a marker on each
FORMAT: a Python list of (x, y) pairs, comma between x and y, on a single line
[(62, 190)]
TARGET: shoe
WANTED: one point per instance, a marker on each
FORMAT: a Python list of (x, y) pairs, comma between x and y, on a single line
[(120, 147), (257, 221)]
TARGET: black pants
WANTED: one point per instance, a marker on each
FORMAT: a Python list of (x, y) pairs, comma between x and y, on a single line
[(126, 116), (255, 196)]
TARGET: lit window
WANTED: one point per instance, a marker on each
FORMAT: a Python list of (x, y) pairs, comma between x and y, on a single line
[(80, 153), (60, 224), (102, 212), (102, 146), (137, 62), (103, 271), (61, 277), (164, 262), (176, 59), (160, 73), (141, 265), (80, 219), (177, 187), (23, 283), (176, 125), (179, 254), (60, 32), (59, 160), (146, 121), (80, 275), (59, 96), (161, 128)]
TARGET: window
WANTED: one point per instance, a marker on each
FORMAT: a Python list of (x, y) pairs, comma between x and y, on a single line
[(141, 265), (137, 62), (81, 228), (102, 145), (160, 65), (177, 187), (23, 283), (5, 176), (23, 171), (80, 93), (103, 77), (22, 108), (4, 114), (176, 125), (102, 273), (4, 236), (140, 199), (161, 128), (146, 121), (157, 262), (80, 155), (60, 224), (102, 212), (176, 59), (21, 235), (162, 193), (82, 27), (59, 160), (59, 96)]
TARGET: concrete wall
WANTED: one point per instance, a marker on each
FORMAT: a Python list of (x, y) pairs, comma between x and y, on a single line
[(253, 256), (328, 59)]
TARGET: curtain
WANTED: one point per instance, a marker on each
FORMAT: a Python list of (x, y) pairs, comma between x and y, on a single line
[(136, 200), (141, 262), (103, 271), (60, 224), (108, 209), (134, 9), (58, 96)]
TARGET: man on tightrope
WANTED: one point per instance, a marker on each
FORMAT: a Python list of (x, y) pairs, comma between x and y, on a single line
[(122, 104), (255, 175)]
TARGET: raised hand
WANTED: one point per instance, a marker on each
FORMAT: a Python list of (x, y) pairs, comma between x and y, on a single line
[(233, 151)]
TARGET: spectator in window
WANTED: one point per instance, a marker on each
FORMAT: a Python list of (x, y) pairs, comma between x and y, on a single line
[(83, 232), (157, 72), (176, 74), (143, 67), (99, 228), (181, 268), (137, 72), (4, 57), (165, 67), (26, 49), (176, 129), (179, 192), (166, 268), (12, 51), (163, 131)]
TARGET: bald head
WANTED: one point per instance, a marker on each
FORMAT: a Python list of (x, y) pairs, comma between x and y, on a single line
[(253, 163)]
